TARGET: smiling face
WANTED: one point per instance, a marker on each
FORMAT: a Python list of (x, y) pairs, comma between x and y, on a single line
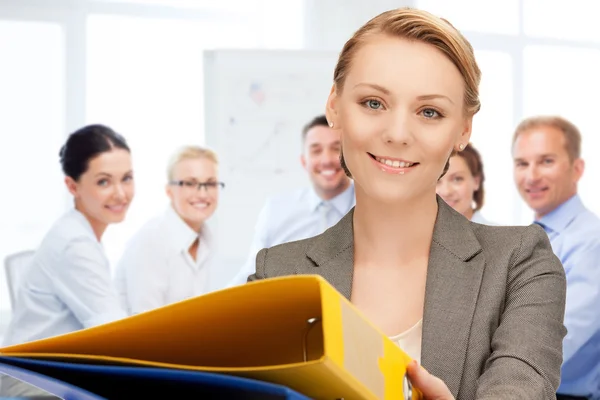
[(544, 174), (194, 205), (401, 113), (458, 186), (105, 190), (321, 159)]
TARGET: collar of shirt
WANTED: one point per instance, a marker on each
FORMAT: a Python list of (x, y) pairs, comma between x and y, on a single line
[(341, 203), (181, 236), (78, 216), (563, 215)]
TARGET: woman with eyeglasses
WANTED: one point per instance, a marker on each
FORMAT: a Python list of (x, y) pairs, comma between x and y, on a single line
[(169, 259)]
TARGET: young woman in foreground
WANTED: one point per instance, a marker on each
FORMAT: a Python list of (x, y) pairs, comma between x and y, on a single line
[(480, 307)]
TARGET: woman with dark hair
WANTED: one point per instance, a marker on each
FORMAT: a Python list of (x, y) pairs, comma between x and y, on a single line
[(68, 286), (462, 185)]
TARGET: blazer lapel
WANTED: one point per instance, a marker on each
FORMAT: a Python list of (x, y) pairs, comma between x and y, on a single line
[(454, 277), (333, 254)]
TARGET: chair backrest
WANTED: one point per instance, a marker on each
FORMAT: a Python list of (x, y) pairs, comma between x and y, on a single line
[(16, 266)]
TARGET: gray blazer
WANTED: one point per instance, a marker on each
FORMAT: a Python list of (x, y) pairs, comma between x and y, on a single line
[(494, 302)]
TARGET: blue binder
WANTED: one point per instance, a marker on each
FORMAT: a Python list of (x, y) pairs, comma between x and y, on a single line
[(95, 382)]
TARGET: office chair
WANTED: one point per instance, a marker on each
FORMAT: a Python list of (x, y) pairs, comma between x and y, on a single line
[(16, 265)]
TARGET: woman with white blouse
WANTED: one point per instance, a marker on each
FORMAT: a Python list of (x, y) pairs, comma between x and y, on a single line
[(170, 257), (68, 286)]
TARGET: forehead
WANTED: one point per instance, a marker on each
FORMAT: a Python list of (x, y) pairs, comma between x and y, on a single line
[(195, 168), (458, 164), (538, 141), (406, 67), (322, 135), (114, 162)]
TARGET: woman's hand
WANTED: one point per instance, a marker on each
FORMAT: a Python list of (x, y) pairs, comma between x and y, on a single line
[(432, 388)]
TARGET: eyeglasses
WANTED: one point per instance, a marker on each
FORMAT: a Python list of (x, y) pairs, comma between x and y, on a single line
[(190, 185)]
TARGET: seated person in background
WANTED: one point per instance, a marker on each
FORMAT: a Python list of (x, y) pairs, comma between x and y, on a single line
[(169, 258), (547, 170), (309, 211), (68, 286), (462, 186), (480, 306)]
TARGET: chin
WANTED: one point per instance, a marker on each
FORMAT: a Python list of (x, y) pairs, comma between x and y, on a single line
[(114, 219)]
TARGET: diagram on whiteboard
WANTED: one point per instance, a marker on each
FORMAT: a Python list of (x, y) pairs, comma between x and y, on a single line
[(265, 120)]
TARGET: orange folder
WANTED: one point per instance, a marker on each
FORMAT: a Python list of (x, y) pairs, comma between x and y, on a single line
[(297, 331)]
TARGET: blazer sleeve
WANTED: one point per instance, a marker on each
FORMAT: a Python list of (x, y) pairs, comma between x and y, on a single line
[(260, 266), (526, 347)]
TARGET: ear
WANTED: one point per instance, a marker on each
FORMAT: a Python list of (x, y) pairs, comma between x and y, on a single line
[(331, 108), (303, 160), (169, 191), (71, 186), (477, 182), (465, 136), (578, 167)]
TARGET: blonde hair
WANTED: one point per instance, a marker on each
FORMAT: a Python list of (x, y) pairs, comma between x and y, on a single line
[(190, 152), (569, 130), (421, 26)]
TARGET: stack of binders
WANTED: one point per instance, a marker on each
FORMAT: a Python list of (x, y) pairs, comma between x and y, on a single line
[(282, 338)]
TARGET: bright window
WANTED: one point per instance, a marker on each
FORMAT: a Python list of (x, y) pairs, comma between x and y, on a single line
[(32, 129), (492, 132), (475, 15)]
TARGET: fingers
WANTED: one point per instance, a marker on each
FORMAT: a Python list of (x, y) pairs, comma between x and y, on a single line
[(432, 388)]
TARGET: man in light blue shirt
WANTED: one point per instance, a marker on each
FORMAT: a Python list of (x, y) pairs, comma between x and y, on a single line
[(547, 168), (309, 211)]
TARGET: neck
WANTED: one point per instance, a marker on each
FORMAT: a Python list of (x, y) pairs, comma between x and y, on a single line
[(469, 214), (330, 194), (195, 226), (97, 226), (396, 234)]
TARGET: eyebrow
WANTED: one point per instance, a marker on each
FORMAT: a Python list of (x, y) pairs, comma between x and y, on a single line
[(539, 156), (110, 176), (373, 86), (434, 96)]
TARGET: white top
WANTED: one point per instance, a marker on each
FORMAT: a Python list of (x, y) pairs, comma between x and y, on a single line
[(294, 216), (156, 267), (68, 286), (410, 341)]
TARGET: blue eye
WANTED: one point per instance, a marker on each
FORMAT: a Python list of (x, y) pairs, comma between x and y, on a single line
[(103, 182), (430, 113), (374, 104)]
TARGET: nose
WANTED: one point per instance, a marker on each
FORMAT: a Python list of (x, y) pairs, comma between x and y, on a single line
[(532, 174), (330, 157), (399, 129), (119, 192)]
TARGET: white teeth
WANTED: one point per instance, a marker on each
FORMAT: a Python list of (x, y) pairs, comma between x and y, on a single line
[(395, 163), (200, 205), (328, 172)]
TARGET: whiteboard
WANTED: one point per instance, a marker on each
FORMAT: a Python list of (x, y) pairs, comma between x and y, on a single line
[(256, 104)]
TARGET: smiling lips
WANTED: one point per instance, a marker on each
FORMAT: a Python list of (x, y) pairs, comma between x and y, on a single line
[(117, 208), (536, 192), (199, 205), (393, 165)]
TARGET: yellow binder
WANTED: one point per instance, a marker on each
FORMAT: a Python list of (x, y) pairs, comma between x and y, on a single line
[(297, 331)]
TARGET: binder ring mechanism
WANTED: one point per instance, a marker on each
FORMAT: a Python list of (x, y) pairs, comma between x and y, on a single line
[(311, 322)]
